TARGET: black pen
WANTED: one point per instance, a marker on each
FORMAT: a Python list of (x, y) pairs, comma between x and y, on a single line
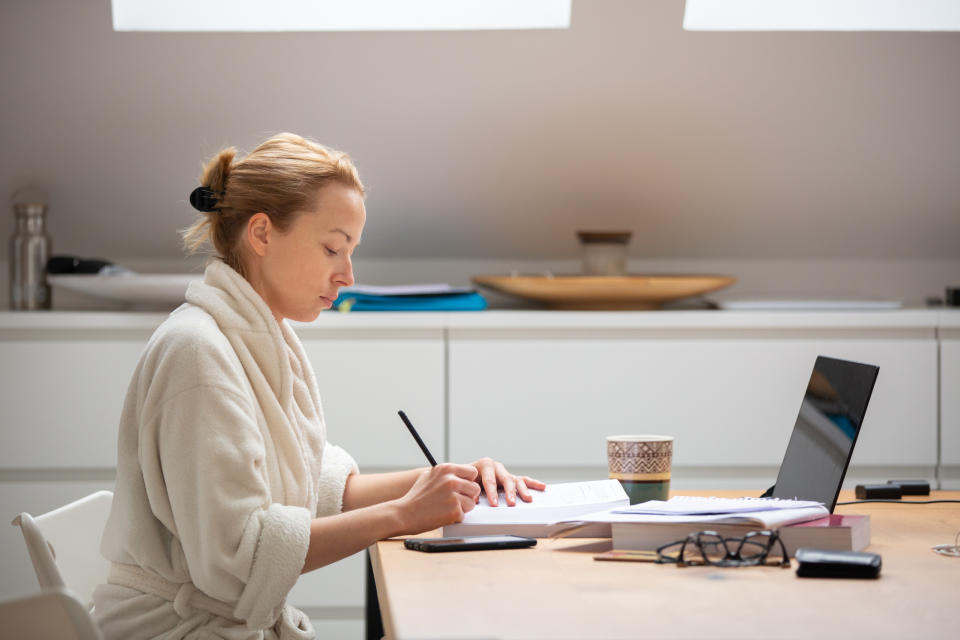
[(416, 436)]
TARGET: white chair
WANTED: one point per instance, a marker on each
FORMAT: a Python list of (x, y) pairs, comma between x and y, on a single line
[(55, 614), (64, 545)]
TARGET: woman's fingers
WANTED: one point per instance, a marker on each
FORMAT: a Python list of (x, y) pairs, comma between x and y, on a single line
[(466, 471), (509, 484), (522, 490), (534, 484), (489, 476), (466, 504), (492, 474), (468, 489)]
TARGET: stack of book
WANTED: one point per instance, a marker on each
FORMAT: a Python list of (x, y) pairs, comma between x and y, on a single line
[(600, 509), (800, 523)]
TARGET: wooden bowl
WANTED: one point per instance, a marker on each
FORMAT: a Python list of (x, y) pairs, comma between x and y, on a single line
[(605, 292)]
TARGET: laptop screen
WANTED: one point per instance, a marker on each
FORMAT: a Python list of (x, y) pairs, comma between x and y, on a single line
[(827, 427)]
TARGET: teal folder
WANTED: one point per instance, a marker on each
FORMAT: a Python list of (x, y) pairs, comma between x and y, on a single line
[(353, 301)]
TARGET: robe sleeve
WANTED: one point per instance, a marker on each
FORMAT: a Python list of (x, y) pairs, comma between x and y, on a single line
[(204, 467), (337, 464)]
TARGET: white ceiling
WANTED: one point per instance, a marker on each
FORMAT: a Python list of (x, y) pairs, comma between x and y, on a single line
[(502, 144)]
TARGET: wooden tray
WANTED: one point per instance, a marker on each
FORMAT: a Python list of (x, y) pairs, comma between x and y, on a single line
[(605, 292)]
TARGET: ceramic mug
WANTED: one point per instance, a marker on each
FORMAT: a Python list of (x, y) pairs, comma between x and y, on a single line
[(604, 253), (642, 465)]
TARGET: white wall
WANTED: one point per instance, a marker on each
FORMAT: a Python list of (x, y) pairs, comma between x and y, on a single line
[(717, 149)]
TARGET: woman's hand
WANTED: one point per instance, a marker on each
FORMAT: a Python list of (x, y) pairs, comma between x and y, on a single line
[(492, 474), (440, 496)]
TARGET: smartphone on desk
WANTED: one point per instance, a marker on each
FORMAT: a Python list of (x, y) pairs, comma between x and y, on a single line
[(468, 543)]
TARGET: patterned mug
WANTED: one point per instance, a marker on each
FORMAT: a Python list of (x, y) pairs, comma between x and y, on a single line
[(642, 465)]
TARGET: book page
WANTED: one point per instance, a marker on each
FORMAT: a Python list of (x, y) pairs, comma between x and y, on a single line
[(406, 289), (695, 505), (557, 502), (766, 519)]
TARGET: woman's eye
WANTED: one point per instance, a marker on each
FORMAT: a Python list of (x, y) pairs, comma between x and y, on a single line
[(330, 252)]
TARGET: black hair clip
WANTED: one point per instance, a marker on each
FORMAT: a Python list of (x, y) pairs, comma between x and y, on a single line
[(205, 199)]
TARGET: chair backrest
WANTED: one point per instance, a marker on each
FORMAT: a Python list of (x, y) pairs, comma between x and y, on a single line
[(64, 544), (54, 614)]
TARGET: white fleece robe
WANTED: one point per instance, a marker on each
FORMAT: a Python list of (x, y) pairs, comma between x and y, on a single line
[(222, 463)]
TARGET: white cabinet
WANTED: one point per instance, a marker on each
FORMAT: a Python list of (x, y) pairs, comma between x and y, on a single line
[(550, 402), (539, 390), (62, 396), (950, 401), (950, 406), (365, 380), (63, 391)]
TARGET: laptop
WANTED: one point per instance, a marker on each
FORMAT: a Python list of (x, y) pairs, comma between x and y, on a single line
[(828, 424)]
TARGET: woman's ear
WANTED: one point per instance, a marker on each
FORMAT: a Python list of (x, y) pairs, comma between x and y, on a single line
[(258, 232)]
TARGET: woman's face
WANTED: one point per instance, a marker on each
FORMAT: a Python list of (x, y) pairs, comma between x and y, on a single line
[(300, 271)]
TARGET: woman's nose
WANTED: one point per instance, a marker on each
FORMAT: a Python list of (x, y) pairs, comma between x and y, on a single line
[(345, 278)]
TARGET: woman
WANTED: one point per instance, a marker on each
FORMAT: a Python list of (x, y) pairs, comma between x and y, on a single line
[(226, 487)]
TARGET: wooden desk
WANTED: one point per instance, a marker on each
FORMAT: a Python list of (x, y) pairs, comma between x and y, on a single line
[(557, 590)]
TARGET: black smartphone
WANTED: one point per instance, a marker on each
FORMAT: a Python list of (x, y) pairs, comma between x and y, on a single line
[(468, 543), (820, 563)]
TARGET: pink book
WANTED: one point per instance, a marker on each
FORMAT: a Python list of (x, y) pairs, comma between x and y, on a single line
[(835, 532)]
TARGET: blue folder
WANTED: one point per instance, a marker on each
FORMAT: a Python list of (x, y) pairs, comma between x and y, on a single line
[(352, 301)]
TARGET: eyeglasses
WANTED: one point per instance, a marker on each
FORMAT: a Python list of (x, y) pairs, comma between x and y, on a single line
[(710, 548)]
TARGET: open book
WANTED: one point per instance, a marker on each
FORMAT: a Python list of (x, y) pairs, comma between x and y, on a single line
[(559, 503)]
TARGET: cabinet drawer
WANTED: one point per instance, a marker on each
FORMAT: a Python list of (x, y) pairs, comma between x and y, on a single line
[(364, 382), (63, 399), (340, 584), (550, 402), (950, 401)]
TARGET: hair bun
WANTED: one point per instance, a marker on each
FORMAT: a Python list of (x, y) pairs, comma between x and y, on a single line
[(205, 199)]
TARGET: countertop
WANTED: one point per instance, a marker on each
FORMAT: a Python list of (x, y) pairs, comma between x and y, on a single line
[(929, 319)]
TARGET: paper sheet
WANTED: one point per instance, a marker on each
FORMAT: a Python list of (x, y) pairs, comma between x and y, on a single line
[(406, 289), (705, 506), (557, 502)]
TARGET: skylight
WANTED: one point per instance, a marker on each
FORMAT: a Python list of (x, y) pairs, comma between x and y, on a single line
[(822, 15), (339, 15)]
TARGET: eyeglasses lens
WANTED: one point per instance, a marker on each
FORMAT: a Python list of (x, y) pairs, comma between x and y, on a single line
[(752, 550), (765, 547), (711, 549), (670, 553), (777, 554)]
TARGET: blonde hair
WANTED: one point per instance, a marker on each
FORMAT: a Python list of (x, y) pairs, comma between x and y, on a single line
[(280, 178)]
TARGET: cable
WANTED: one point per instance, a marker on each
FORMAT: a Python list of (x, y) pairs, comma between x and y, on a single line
[(896, 501), (952, 550)]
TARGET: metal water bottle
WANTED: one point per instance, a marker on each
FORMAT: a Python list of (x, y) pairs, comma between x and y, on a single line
[(29, 250)]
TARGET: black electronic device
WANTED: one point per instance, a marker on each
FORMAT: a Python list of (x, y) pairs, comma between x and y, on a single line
[(468, 543), (72, 264), (821, 563), (828, 423), (953, 297), (878, 492), (912, 487)]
